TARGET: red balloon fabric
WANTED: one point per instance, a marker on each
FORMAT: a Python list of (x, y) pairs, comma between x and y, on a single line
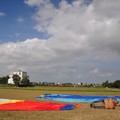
[(32, 105)]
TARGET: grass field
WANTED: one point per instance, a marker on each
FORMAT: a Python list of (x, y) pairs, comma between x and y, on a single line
[(82, 113)]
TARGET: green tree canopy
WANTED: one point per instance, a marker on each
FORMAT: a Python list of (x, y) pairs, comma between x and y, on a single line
[(105, 84), (116, 84), (4, 80), (25, 81), (16, 79)]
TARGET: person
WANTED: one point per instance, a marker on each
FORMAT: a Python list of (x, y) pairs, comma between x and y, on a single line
[(108, 103)]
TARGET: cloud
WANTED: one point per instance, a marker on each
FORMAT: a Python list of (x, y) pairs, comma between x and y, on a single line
[(107, 8), (36, 2), (87, 29), (101, 73), (80, 35), (2, 14), (25, 54), (20, 19)]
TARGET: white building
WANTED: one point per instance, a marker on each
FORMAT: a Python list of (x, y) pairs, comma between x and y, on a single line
[(20, 73)]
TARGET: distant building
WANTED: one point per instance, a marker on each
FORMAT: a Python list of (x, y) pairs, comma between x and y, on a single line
[(20, 73)]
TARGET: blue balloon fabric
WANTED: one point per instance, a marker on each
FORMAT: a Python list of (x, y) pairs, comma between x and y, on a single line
[(68, 107), (75, 98)]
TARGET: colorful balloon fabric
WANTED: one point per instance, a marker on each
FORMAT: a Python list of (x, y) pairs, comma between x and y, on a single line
[(29, 105), (4, 101), (74, 98)]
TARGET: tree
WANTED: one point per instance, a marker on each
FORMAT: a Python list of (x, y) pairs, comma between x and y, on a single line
[(116, 84), (105, 84), (16, 79), (25, 81), (4, 80)]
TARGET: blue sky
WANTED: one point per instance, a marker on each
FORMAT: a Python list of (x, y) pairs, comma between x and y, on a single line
[(17, 24), (61, 40)]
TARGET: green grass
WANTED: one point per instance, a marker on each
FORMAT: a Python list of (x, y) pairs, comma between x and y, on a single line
[(64, 89)]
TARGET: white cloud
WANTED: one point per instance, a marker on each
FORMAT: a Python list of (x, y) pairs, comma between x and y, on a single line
[(96, 70), (36, 2), (79, 34), (82, 28), (101, 72), (23, 54), (107, 8), (20, 19), (2, 14)]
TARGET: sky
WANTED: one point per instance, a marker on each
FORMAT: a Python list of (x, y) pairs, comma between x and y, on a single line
[(61, 40)]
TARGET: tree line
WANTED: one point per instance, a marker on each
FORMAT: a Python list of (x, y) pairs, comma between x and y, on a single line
[(115, 84), (26, 82), (4, 79)]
